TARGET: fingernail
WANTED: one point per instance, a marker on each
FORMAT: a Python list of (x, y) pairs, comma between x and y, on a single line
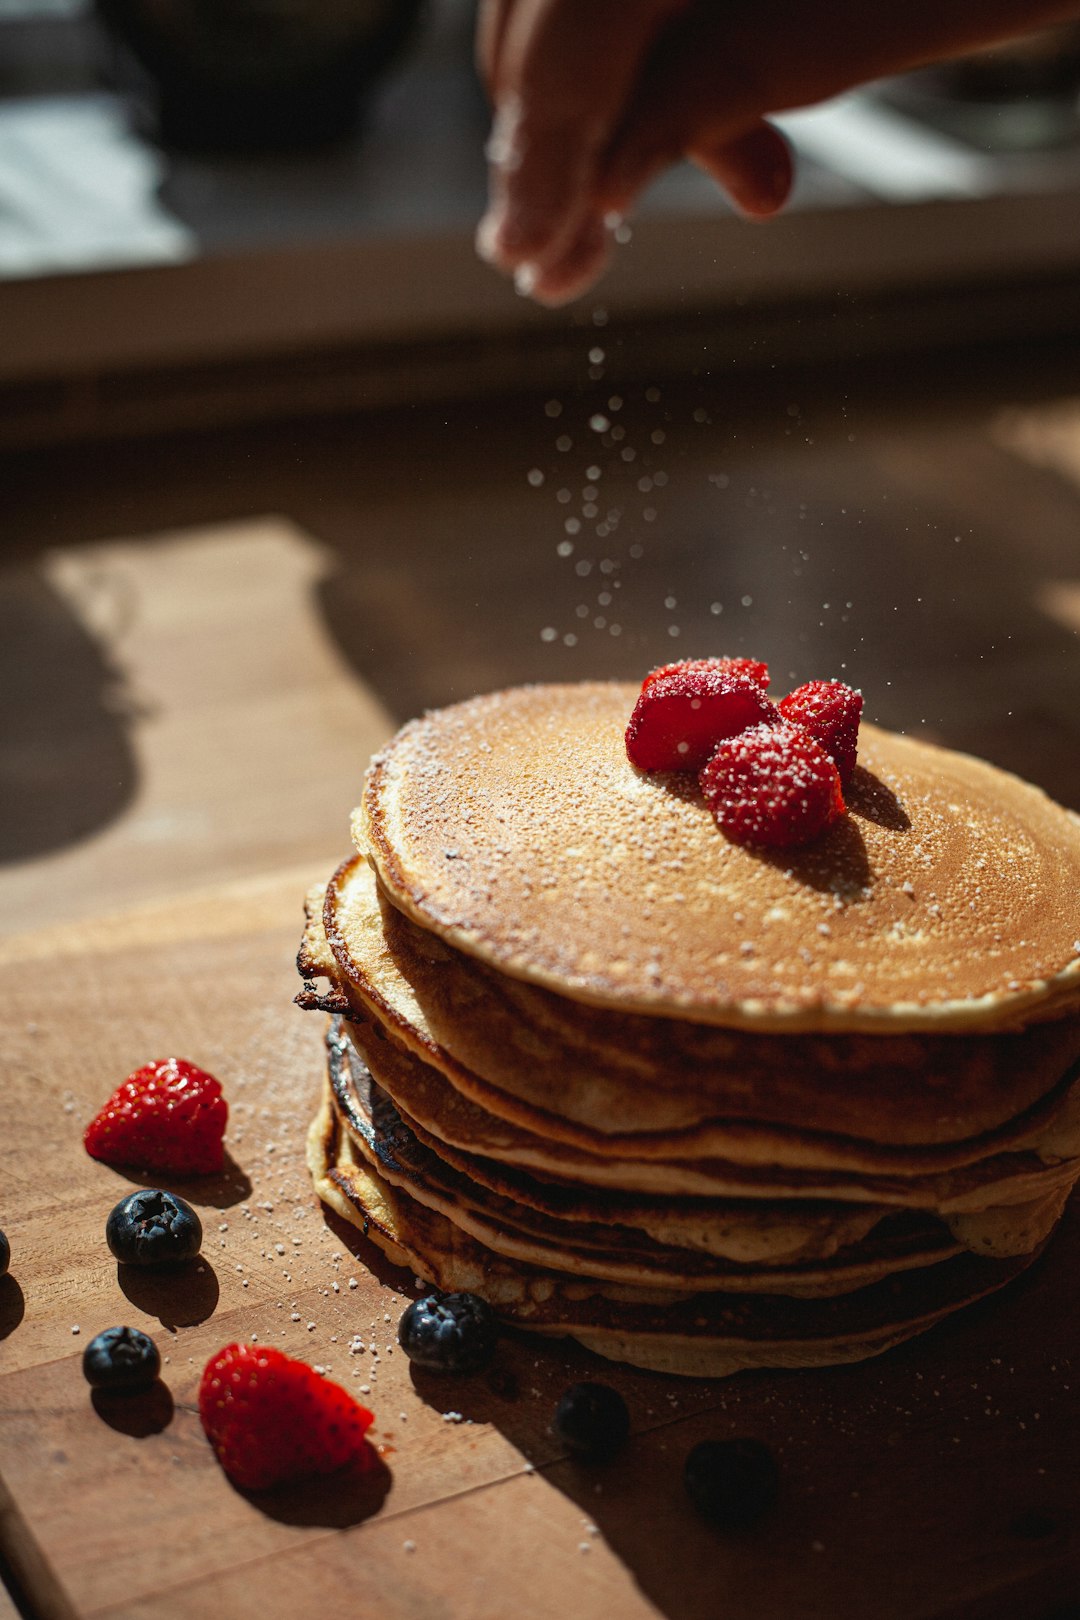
[(525, 278), (486, 235), (502, 148)]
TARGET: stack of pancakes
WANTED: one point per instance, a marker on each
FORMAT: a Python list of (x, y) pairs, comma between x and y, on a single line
[(699, 1106)]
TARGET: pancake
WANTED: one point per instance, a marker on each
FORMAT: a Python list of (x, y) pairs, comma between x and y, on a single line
[(543, 1177), (699, 1106), (563, 1093), (615, 1252), (741, 1229), (703, 1335), (946, 900)]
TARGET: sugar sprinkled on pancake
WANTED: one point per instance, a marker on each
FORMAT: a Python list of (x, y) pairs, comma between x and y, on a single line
[(514, 828), (701, 1106)]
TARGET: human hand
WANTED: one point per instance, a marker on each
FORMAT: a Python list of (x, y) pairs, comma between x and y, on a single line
[(593, 98)]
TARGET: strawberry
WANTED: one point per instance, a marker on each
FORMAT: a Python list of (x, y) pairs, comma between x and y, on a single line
[(270, 1418), (168, 1115), (830, 712), (747, 669), (683, 713), (772, 785)]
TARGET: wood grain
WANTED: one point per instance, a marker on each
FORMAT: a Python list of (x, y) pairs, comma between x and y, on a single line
[(191, 706), (938, 1476)]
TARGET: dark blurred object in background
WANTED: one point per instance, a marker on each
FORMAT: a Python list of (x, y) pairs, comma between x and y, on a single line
[(253, 75), (1022, 96)]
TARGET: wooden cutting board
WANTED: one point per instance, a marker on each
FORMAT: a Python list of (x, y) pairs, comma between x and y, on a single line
[(941, 1480)]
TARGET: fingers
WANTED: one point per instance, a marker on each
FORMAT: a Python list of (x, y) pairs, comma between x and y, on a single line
[(581, 263), (694, 97), (756, 169), (563, 75), (592, 101), (491, 21)]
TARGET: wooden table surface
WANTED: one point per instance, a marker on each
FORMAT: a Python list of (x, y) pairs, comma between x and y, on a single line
[(202, 642)]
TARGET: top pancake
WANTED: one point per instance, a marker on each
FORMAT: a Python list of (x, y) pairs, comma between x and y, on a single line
[(514, 827)]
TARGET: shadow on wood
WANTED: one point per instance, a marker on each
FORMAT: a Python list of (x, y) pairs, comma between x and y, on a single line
[(137, 1413), (179, 1296)]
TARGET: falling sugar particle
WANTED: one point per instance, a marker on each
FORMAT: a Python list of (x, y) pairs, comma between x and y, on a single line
[(747, 601), (563, 496), (598, 423), (553, 408), (649, 514), (599, 317), (637, 551), (673, 630), (671, 601), (564, 442), (535, 477), (570, 640), (593, 473), (596, 357), (716, 607), (565, 548), (572, 525), (549, 634), (652, 395)]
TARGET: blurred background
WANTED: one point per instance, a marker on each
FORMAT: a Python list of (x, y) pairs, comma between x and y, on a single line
[(282, 462)]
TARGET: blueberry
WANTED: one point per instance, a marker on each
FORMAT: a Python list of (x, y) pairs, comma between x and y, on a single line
[(449, 1332), (592, 1421), (731, 1482), (152, 1228), (121, 1358), (5, 1254)]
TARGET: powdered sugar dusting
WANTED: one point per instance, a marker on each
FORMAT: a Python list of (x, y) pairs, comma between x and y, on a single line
[(514, 826)]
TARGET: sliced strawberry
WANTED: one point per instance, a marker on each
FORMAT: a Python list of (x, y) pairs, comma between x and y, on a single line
[(772, 785), (681, 716), (830, 711), (270, 1418), (168, 1115), (748, 669)]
